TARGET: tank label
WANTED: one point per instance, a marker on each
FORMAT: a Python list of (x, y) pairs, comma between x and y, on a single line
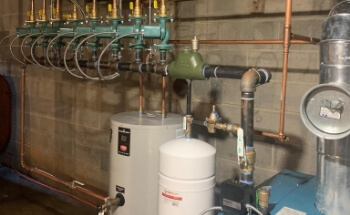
[(289, 211), (119, 189), (330, 114), (172, 198), (124, 141)]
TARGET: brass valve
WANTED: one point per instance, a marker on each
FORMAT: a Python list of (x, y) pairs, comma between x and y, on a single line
[(212, 120), (213, 123), (137, 10), (32, 12), (94, 10), (163, 10), (248, 166), (113, 9), (75, 14)]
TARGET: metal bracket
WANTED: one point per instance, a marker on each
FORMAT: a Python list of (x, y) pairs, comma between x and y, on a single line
[(257, 6)]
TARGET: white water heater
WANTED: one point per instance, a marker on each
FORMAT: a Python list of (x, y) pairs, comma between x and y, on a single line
[(186, 177), (134, 158)]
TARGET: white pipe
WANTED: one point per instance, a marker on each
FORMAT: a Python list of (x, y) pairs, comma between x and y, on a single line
[(217, 208), (251, 207)]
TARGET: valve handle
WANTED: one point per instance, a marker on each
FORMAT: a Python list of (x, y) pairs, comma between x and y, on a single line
[(240, 144), (155, 4), (87, 8), (110, 8)]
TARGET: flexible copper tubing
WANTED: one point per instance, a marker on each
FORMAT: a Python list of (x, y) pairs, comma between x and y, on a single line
[(245, 42), (36, 170)]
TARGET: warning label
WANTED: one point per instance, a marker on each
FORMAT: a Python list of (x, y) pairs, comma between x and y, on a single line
[(172, 198)]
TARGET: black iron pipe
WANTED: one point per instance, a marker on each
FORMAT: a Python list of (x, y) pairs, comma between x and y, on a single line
[(224, 72), (189, 97), (247, 117)]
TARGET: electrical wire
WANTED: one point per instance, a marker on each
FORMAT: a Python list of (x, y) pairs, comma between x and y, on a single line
[(11, 51), (110, 77), (251, 207), (46, 186), (22, 45), (65, 56), (48, 50), (217, 208)]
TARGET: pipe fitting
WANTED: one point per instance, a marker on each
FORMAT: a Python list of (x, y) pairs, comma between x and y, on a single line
[(73, 185), (112, 204), (253, 78), (212, 121), (188, 129), (249, 165), (163, 10)]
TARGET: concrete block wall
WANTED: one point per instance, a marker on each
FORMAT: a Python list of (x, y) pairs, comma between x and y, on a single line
[(67, 119)]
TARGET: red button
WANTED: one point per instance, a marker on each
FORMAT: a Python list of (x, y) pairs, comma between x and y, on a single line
[(123, 148)]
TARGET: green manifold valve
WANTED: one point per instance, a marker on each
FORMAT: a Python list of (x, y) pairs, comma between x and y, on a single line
[(188, 65)]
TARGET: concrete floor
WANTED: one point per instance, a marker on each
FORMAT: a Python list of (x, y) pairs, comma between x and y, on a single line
[(21, 197)]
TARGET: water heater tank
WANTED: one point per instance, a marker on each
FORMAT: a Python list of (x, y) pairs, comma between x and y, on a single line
[(186, 177), (134, 159)]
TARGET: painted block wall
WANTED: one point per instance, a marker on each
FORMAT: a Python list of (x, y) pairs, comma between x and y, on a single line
[(67, 119)]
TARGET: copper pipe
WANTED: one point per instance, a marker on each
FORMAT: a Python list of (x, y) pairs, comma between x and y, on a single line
[(58, 8), (286, 45), (44, 11), (75, 14), (36, 170), (163, 96), (245, 42), (32, 12), (141, 94), (305, 38)]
